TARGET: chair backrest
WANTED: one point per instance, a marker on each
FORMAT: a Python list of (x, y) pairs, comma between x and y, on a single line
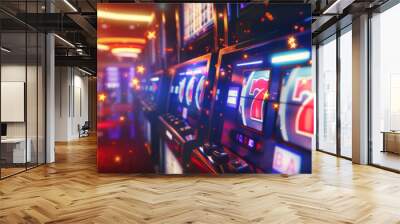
[(86, 125)]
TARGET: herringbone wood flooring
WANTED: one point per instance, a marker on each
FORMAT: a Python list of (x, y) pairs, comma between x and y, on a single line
[(71, 191)]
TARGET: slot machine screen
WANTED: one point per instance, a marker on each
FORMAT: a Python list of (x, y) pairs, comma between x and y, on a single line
[(295, 122), (254, 91), (188, 90), (197, 19), (245, 107)]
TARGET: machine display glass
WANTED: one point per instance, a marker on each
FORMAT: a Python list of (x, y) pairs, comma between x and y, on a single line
[(189, 83), (252, 98), (246, 102), (296, 110)]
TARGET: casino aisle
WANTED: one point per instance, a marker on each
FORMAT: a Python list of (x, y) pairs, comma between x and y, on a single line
[(120, 143)]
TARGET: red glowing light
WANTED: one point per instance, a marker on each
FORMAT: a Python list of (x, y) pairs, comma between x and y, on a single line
[(117, 159)]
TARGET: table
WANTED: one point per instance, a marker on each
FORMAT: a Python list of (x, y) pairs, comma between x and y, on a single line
[(391, 141), (13, 150)]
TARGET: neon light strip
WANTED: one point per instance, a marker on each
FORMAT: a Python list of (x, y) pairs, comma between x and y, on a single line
[(125, 17), (125, 50), (290, 57), (250, 63), (124, 40), (155, 79), (103, 47)]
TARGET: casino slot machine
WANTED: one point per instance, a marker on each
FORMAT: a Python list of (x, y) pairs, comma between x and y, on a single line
[(186, 122), (152, 100), (262, 113)]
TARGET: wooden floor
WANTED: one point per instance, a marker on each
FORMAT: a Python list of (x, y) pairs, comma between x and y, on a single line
[(71, 191)]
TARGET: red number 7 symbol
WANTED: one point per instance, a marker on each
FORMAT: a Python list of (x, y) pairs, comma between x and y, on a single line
[(258, 88), (305, 114)]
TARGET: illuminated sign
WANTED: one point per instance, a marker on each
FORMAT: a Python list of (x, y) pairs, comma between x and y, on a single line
[(285, 161), (233, 95), (112, 78), (197, 18)]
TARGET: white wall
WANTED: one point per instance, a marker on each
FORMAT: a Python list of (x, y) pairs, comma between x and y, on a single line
[(71, 94), (33, 127), (16, 73)]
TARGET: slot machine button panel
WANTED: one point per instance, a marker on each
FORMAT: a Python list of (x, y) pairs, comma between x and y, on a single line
[(251, 143), (240, 167), (220, 158), (210, 148)]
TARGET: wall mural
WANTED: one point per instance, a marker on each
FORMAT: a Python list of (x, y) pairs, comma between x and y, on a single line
[(205, 88)]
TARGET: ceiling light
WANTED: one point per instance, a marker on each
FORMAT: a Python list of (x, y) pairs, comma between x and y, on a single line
[(5, 50), (65, 41), (126, 52), (125, 49), (125, 17), (124, 40), (103, 47), (126, 55), (70, 5)]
